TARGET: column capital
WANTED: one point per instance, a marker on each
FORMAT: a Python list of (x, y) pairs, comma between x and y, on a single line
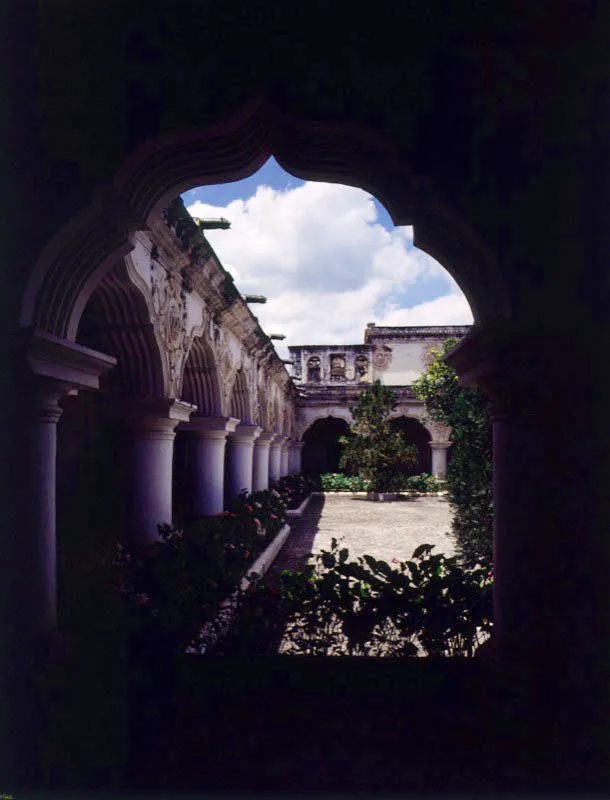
[(278, 440), (154, 410), (513, 361), (67, 364), (210, 427), (265, 438), (246, 433), (440, 445)]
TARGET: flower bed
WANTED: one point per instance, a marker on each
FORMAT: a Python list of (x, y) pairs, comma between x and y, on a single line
[(176, 586), (294, 489)]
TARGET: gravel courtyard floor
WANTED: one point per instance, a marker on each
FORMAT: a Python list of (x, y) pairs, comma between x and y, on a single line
[(384, 530)]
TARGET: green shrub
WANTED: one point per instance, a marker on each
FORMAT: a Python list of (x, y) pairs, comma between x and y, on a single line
[(424, 483), (372, 448), (338, 482), (428, 605), (469, 474)]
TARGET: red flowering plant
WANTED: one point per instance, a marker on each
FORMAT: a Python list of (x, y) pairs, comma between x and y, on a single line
[(293, 489), (266, 508), (173, 587)]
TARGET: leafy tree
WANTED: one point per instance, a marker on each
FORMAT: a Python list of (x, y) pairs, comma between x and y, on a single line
[(469, 475), (372, 449)]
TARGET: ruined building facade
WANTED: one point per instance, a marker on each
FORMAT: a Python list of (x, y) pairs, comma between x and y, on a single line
[(330, 378)]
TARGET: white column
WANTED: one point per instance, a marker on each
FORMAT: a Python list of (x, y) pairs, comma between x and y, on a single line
[(153, 430), (295, 457), (260, 477), (275, 458), (41, 547), (439, 459), (60, 368), (284, 458), (209, 439), (240, 458), (299, 456)]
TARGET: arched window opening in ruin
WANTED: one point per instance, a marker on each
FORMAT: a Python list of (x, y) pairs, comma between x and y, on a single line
[(313, 370), (362, 368), (322, 449), (337, 367)]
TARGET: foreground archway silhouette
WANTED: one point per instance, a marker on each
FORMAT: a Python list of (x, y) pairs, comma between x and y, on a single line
[(524, 159), (80, 254)]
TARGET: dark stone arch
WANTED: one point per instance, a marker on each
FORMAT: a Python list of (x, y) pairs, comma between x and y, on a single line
[(200, 385), (322, 449), (240, 400), (92, 439), (116, 320), (417, 435)]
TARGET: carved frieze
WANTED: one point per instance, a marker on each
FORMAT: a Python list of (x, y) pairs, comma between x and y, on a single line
[(382, 357), (439, 431), (170, 321)]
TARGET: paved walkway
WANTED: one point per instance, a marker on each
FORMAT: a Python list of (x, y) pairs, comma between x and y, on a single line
[(383, 530)]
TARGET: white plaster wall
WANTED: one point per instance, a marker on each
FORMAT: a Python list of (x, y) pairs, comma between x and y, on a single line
[(407, 361), (140, 259)]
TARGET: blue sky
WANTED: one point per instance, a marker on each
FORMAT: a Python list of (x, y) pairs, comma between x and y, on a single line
[(327, 257)]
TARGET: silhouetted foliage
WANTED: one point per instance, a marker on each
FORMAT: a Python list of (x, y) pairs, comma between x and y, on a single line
[(469, 475)]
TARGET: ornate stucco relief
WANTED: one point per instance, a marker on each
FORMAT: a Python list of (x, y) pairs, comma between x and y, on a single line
[(382, 357), (439, 431), (170, 318)]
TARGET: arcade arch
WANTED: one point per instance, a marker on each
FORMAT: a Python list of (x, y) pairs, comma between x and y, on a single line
[(415, 434), (321, 448)]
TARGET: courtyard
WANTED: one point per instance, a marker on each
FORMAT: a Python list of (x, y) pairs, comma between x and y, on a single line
[(383, 530)]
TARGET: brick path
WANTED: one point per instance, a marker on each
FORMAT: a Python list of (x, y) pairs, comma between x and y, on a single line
[(383, 530)]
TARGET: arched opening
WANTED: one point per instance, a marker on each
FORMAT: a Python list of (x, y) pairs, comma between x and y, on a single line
[(322, 448), (200, 385), (93, 442), (417, 435), (201, 388), (240, 399)]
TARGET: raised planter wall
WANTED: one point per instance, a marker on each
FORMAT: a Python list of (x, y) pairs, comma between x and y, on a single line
[(260, 567), (296, 512)]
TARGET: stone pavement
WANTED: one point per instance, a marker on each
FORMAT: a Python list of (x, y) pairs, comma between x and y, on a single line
[(383, 530)]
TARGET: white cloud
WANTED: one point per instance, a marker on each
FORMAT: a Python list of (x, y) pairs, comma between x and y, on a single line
[(325, 263)]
